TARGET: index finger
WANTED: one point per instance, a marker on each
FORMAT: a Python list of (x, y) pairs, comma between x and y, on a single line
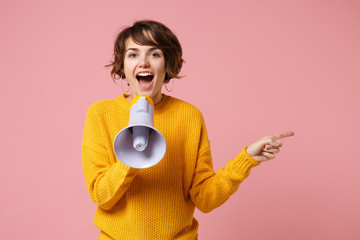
[(283, 135)]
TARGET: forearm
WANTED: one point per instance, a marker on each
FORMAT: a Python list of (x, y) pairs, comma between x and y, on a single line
[(106, 183), (110, 186), (210, 190)]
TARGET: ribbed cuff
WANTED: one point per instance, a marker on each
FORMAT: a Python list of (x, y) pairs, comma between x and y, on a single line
[(243, 162)]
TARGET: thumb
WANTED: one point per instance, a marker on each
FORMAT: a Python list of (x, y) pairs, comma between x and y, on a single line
[(256, 148)]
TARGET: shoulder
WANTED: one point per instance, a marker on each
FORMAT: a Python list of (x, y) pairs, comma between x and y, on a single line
[(104, 107), (185, 111), (183, 106), (101, 105)]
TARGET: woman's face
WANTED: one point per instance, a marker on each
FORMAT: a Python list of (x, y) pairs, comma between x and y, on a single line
[(144, 68)]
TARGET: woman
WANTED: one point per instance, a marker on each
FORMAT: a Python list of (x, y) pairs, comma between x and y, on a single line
[(157, 202)]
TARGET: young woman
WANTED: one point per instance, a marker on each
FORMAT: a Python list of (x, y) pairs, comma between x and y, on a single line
[(157, 202)]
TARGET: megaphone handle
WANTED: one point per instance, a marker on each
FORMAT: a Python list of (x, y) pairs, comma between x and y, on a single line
[(142, 105), (140, 137)]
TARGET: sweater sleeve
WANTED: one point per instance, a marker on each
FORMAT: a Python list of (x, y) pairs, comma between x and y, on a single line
[(209, 189), (107, 179)]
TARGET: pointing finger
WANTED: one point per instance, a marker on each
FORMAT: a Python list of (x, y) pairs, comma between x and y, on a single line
[(283, 135)]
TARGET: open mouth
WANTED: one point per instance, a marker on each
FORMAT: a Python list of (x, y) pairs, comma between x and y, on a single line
[(145, 79)]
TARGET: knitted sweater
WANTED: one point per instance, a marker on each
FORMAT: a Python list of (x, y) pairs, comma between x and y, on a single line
[(156, 202)]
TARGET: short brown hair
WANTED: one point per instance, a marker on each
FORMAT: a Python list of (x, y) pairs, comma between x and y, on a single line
[(151, 33)]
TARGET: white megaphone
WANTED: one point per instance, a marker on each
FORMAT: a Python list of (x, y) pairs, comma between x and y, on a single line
[(140, 145)]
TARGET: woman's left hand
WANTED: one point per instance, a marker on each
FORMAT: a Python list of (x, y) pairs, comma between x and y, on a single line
[(266, 148)]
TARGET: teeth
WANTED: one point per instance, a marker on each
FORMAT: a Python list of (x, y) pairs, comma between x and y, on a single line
[(144, 74)]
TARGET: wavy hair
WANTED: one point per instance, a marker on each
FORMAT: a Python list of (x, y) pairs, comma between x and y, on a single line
[(152, 33)]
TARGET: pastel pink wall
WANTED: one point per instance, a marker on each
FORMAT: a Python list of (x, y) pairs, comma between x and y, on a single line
[(252, 67)]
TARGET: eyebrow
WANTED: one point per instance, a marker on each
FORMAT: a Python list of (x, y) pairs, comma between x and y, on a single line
[(136, 49)]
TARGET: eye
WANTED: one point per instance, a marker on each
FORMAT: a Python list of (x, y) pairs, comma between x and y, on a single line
[(155, 54), (132, 55)]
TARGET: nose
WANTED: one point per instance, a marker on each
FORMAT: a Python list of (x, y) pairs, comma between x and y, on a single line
[(144, 62)]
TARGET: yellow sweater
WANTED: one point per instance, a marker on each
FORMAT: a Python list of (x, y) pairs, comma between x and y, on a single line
[(156, 202)]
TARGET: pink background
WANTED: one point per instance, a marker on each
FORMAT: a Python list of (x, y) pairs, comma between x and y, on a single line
[(252, 67)]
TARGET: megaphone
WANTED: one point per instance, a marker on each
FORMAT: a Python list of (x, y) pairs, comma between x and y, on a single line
[(140, 145)]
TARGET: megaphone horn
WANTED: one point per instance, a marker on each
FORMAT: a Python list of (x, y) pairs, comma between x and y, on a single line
[(140, 145)]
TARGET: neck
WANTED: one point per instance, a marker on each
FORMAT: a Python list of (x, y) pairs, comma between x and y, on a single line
[(155, 99)]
